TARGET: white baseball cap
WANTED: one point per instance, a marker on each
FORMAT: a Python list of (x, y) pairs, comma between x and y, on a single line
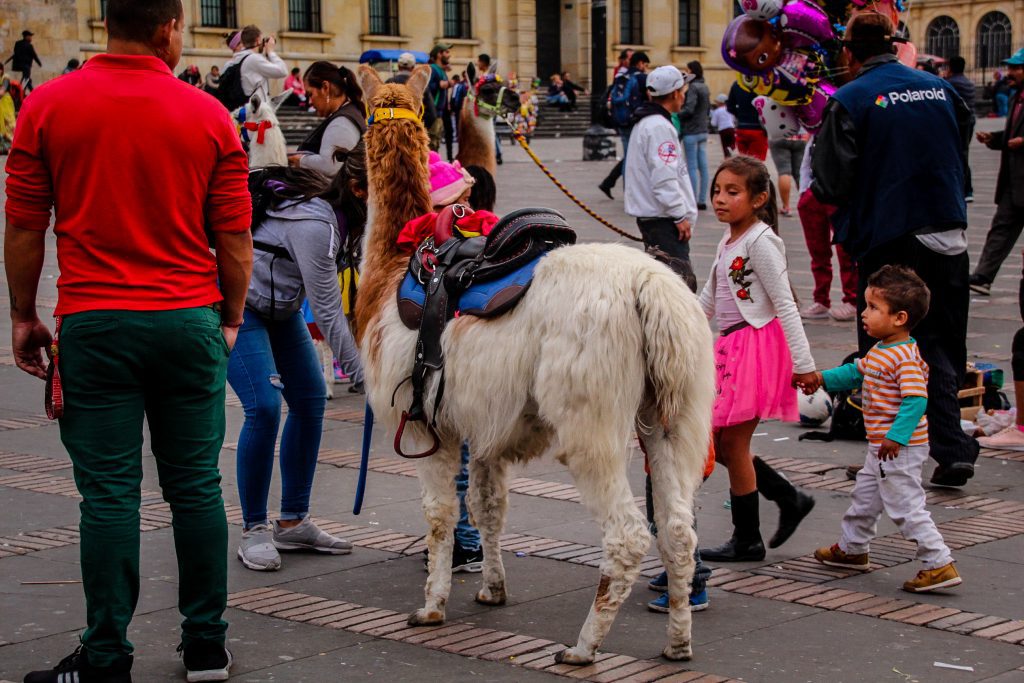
[(406, 59), (664, 80)]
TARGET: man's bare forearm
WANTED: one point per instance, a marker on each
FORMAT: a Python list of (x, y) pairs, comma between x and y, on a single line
[(24, 251), (234, 266)]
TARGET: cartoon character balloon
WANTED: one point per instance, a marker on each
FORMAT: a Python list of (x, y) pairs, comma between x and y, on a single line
[(762, 9), (778, 120)]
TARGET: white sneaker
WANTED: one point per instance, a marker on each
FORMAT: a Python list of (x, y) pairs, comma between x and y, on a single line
[(1009, 439), (815, 311), (257, 551), (843, 312), (308, 536)]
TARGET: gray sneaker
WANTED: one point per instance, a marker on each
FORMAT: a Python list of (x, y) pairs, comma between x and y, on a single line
[(308, 536), (257, 551)]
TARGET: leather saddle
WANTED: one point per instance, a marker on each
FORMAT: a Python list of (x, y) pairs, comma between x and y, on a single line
[(450, 275)]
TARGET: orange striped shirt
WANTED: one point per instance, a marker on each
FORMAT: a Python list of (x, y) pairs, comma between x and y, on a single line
[(892, 373)]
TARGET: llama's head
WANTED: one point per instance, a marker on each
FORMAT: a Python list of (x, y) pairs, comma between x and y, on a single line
[(396, 155), (493, 96), (267, 145)]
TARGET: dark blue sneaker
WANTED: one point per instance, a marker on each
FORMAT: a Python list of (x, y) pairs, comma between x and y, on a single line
[(659, 583), (698, 602)]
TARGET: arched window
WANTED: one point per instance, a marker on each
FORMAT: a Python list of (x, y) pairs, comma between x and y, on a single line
[(995, 37), (943, 37)]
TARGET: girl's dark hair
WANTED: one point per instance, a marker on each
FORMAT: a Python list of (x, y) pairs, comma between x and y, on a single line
[(340, 77), (295, 71), (348, 195), (695, 68), (484, 193), (755, 173), (272, 186)]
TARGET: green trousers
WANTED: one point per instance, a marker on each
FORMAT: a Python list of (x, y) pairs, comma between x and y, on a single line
[(167, 367)]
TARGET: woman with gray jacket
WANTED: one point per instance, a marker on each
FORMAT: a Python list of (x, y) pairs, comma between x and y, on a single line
[(301, 225), (694, 119)]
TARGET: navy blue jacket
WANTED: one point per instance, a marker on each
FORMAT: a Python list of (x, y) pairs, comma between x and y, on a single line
[(889, 156)]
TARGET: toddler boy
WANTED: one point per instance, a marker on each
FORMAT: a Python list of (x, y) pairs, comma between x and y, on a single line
[(895, 393)]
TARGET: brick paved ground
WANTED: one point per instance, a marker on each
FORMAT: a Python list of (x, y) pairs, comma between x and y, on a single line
[(325, 618)]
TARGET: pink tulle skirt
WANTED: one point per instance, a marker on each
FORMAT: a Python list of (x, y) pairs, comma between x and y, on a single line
[(753, 372)]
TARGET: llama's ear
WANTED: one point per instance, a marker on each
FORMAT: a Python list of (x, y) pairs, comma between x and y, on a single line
[(471, 73), (278, 100), (417, 83), (493, 68), (254, 103), (369, 81)]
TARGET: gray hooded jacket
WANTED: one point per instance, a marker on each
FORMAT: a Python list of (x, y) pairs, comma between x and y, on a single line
[(308, 231)]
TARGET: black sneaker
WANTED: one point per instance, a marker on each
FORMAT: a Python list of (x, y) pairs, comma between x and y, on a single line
[(469, 561), (205, 660), (75, 669), (952, 476), (979, 286)]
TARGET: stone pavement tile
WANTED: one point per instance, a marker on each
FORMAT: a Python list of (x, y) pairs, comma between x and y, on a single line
[(491, 638), (628, 672), (846, 648), (999, 629), (37, 611), (395, 663), (398, 584), (977, 624), (955, 619), (157, 634), (507, 648), (658, 671), (927, 618), (563, 669), (683, 677)]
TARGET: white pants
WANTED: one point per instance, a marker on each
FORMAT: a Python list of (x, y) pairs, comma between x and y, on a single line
[(899, 494)]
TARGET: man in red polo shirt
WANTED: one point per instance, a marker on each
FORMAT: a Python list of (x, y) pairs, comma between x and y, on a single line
[(140, 168)]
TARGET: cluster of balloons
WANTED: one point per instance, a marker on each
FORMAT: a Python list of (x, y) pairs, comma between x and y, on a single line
[(786, 51)]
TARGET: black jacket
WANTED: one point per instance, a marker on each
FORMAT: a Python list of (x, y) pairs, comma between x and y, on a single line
[(1010, 183), (695, 115), (24, 55)]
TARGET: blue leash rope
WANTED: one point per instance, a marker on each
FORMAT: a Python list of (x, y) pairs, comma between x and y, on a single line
[(364, 460)]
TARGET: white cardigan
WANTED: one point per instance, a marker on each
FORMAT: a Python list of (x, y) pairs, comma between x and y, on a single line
[(760, 287)]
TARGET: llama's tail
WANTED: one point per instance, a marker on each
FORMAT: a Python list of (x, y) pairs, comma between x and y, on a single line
[(677, 347)]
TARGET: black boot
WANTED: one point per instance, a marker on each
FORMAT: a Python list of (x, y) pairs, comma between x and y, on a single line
[(793, 504), (745, 544)]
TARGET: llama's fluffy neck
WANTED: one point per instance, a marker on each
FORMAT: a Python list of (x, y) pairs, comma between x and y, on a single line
[(399, 183), (476, 139)]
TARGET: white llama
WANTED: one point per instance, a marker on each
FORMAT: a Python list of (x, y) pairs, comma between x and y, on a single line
[(605, 341), (267, 146)]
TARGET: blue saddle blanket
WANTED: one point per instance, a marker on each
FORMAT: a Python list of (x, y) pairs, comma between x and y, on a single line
[(482, 299)]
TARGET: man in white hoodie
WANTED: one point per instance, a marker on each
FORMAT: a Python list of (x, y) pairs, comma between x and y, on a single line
[(658, 190), (260, 63)]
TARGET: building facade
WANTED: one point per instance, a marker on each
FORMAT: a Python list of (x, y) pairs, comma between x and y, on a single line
[(531, 38)]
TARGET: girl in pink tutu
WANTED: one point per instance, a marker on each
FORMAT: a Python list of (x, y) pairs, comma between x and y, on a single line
[(760, 351)]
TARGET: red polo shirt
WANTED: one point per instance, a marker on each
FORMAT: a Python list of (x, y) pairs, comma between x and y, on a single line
[(136, 164)]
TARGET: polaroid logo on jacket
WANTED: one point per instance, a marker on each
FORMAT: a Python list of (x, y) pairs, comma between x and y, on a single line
[(910, 96)]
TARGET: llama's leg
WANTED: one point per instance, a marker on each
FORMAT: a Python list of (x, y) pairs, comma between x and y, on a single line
[(604, 488), (676, 462), (441, 508), (488, 504)]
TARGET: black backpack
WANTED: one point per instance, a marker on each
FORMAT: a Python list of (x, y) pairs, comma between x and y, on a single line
[(847, 416), (230, 91)]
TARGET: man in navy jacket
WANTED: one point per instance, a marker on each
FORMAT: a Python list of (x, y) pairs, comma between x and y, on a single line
[(889, 155)]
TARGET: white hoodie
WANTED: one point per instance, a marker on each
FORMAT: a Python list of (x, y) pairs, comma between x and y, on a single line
[(657, 182)]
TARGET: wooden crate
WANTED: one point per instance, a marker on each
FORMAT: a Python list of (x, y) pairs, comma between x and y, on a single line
[(971, 394)]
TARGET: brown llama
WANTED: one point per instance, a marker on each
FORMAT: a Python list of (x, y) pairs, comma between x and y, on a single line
[(486, 99)]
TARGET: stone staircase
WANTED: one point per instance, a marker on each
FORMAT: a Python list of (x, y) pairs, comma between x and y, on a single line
[(551, 123)]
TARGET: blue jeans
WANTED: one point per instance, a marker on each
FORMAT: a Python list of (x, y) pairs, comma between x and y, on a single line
[(272, 360), (696, 147), (466, 535)]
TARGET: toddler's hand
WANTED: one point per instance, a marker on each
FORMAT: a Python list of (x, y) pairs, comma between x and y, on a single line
[(889, 450), (808, 382)]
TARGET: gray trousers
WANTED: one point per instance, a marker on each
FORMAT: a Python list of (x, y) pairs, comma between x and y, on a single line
[(1002, 236)]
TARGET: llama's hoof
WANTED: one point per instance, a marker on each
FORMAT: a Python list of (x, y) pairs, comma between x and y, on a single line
[(492, 597), (572, 655), (678, 653), (425, 617)]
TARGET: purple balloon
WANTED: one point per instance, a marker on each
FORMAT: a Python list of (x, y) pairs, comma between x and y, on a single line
[(804, 24), (812, 113)]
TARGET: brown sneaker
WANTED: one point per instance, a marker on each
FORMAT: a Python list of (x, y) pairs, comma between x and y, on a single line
[(933, 579), (833, 556)]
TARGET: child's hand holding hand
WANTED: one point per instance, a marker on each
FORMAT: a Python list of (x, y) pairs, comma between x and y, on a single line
[(889, 450), (808, 382)]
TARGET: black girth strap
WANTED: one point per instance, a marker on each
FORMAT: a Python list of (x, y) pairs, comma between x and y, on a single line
[(447, 270)]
